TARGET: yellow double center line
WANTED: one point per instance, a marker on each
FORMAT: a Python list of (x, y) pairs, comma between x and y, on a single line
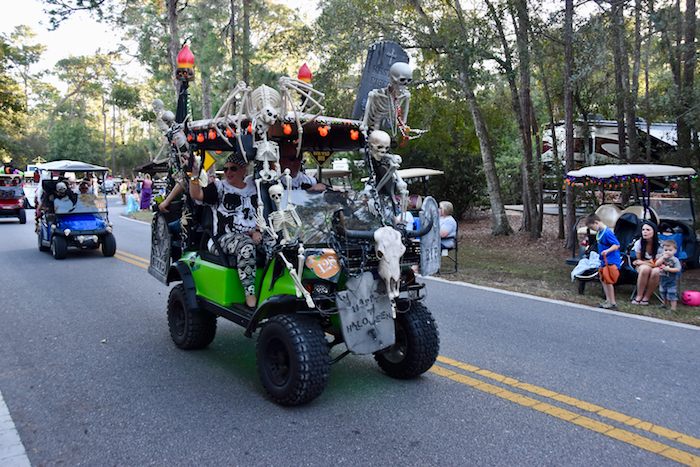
[(133, 259), (647, 444), (573, 417)]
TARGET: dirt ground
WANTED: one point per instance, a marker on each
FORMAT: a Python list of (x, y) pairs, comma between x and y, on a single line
[(538, 267)]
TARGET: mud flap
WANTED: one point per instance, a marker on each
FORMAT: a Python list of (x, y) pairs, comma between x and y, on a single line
[(365, 315)]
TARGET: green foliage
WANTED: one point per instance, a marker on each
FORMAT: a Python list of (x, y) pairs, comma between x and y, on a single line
[(450, 145), (75, 142)]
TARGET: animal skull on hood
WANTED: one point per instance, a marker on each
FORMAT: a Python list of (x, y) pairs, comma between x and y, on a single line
[(389, 250)]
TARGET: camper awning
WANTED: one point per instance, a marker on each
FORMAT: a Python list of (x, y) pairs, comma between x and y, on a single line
[(627, 170), (71, 166)]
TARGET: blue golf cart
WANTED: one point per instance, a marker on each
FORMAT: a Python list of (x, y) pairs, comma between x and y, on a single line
[(72, 211)]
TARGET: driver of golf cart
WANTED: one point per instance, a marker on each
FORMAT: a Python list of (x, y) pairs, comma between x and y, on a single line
[(233, 203), (289, 160)]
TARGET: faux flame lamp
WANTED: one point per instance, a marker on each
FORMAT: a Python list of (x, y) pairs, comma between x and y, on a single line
[(185, 65)]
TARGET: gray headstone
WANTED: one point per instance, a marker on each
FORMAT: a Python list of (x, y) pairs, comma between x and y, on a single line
[(380, 57), (430, 243)]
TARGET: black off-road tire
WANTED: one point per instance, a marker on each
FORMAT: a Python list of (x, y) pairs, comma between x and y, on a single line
[(189, 328), (293, 359), (109, 245), (417, 344), (59, 247), (22, 216)]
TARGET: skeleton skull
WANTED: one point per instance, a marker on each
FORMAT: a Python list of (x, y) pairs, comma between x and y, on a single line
[(401, 75), (389, 250), (379, 144), (268, 102), (275, 192)]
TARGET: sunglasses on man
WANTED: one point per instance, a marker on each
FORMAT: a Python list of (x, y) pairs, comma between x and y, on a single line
[(232, 168)]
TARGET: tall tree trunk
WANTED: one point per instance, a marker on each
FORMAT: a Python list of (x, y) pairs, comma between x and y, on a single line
[(206, 93), (687, 98), (619, 52), (174, 44), (569, 119), (522, 28), (114, 140), (501, 226), (246, 41), (232, 36)]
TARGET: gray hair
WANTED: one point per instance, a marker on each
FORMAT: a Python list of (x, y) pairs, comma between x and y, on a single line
[(447, 208)]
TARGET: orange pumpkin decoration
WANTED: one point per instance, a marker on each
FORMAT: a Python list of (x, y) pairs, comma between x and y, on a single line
[(212, 134), (354, 135), (200, 138), (287, 129), (324, 265), (323, 131)]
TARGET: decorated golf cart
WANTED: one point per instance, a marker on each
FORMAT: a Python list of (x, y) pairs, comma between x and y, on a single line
[(336, 269), (72, 212)]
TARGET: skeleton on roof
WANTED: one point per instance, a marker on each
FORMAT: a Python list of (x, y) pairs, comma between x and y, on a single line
[(264, 107), (390, 103)]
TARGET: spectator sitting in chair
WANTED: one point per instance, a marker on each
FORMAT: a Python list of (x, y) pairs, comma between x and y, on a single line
[(669, 267), (608, 247), (646, 249), (448, 225)]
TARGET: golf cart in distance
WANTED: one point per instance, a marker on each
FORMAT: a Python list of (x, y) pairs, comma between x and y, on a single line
[(67, 218), (337, 275), (12, 199)]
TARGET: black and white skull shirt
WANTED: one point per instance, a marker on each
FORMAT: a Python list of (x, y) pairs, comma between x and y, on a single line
[(233, 208)]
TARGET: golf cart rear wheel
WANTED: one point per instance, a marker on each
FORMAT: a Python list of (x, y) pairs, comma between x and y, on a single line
[(109, 245), (22, 216), (190, 328), (417, 344), (41, 245), (293, 360), (59, 247)]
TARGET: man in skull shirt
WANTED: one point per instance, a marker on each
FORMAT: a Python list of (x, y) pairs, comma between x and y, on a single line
[(233, 202)]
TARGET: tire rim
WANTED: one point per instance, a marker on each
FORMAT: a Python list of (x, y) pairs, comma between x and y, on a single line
[(277, 362), (397, 352)]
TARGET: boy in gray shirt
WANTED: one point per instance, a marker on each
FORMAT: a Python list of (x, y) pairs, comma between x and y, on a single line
[(669, 267)]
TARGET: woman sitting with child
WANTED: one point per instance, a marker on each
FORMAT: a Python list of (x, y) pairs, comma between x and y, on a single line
[(646, 249)]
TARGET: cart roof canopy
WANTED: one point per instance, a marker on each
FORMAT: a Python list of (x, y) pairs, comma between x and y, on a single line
[(418, 172), (71, 166), (626, 170)]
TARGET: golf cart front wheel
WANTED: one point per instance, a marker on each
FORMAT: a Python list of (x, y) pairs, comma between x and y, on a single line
[(59, 247), (417, 344), (293, 360), (190, 328)]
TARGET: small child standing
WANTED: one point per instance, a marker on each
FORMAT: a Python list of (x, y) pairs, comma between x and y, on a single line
[(611, 250), (669, 267)]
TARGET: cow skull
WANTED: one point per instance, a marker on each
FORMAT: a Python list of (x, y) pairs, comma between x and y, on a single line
[(389, 250)]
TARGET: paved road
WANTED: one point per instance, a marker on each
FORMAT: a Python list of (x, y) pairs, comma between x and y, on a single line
[(90, 377)]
